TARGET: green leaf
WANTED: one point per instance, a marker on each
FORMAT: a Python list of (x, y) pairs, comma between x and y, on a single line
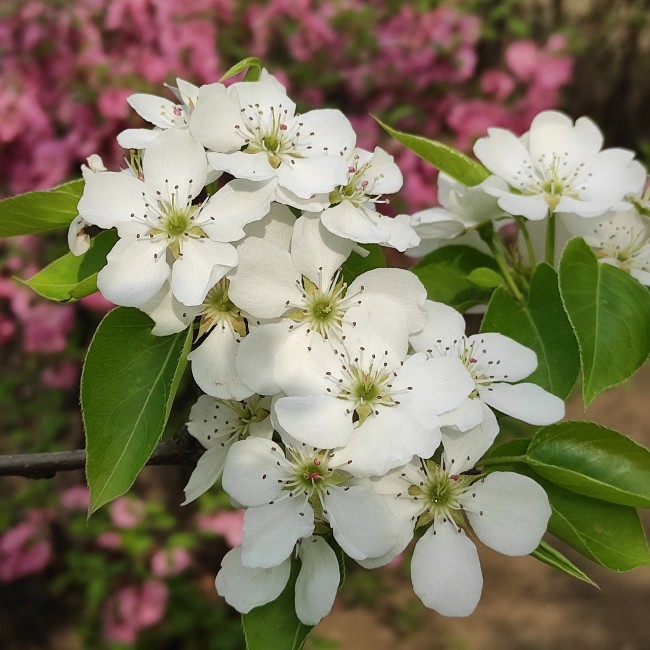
[(41, 211), (610, 313), (587, 458), (485, 278), (445, 271), (74, 276), (511, 448), (275, 626), (606, 533), (452, 162), (542, 325), (551, 556), (355, 265), (128, 384), (252, 65)]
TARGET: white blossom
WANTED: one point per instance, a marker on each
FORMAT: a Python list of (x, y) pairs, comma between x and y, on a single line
[(217, 424), (493, 361), (288, 494), (160, 112), (162, 232), (558, 167)]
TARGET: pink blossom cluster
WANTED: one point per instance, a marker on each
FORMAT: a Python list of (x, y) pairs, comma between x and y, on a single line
[(38, 326), (67, 69), (26, 548)]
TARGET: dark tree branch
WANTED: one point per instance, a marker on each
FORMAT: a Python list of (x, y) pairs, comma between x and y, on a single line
[(182, 449)]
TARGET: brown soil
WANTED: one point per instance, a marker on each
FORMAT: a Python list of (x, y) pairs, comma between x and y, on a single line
[(526, 605)]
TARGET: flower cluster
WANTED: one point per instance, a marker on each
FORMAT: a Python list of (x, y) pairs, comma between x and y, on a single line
[(343, 413)]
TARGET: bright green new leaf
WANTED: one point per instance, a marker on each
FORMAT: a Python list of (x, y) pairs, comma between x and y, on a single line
[(275, 626), (452, 162), (252, 65), (485, 278), (606, 533), (590, 459), (445, 271), (40, 211), (128, 384), (542, 325), (610, 313), (74, 276), (551, 556), (355, 265)]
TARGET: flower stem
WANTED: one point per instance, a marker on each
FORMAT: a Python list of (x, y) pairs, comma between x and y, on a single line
[(532, 258), (488, 238), (549, 256)]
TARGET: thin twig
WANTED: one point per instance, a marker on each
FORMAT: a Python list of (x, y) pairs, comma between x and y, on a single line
[(182, 449)]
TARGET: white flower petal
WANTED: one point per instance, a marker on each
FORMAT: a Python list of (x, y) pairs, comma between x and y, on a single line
[(386, 441), (271, 531), (401, 286), (503, 154), (330, 134), (500, 357), (253, 469), (249, 166), (174, 163), (265, 282), (317, 420), (255, 362), (315, 252), (446, 572), (110, 198), (245, 588), (527, 402), (463, 449), (317, 581), (135, 271), (137, 138), (349, 221), (532, 207), (157, 110), (213, 364), (169, 315), (464, 417), (444, 325), (233, 207), (276, 227), (509, 513), (78, 238), (193, 273), (206, 473), (361, 522), (308, 176), (214, 117)]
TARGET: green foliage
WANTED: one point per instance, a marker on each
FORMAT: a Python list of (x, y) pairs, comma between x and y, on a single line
[(355, 265), (41, 211), (443, 157), (610, 314), (606, 533), (551, 556), (485, 278), (541, 325), (445, 273), (128, 384), (74, 276), (251, 64), (589, 459), (275, 626)]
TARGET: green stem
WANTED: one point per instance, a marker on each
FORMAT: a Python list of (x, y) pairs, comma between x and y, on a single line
[(532, 258), (502, 460), (549, 256), (505, 271)]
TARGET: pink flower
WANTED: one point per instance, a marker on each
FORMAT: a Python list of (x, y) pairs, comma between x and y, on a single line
[(76, 498), (24, 549), (227, 523), (497, 83), (96, 302), (133, 608), (127, 512), (170, 562), (109, 540), (63, 376)]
